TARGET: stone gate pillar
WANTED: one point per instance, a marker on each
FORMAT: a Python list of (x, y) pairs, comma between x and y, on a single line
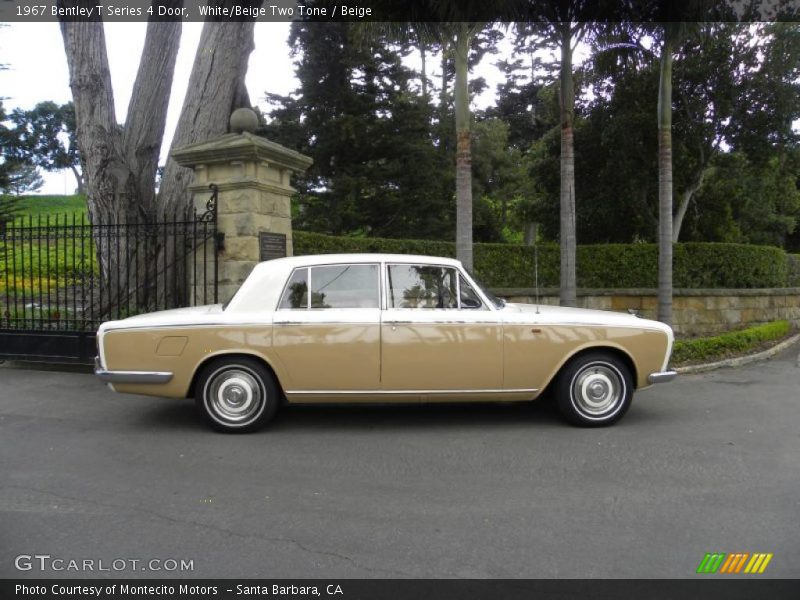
[(254, 218)]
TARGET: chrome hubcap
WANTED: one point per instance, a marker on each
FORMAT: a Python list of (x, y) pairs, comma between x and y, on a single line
[(598, 389), (235, 395)]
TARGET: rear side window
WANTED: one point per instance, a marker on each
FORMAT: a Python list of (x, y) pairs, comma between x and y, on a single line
[(296, 293), (333, 286), (345, 286)]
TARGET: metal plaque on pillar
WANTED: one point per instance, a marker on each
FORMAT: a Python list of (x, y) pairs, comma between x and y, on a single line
[(271, 245)]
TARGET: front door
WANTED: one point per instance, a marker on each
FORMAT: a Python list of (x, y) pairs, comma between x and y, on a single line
[(438, 337)]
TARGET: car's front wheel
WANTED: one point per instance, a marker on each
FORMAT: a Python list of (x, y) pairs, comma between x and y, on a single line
[(237, 394), (594, 389)]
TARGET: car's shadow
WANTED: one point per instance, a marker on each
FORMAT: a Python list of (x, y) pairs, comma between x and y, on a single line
[(182, 415), (418, 416)]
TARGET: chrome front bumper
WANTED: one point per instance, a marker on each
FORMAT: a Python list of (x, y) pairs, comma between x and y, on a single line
[(130, 376), (662, 377)]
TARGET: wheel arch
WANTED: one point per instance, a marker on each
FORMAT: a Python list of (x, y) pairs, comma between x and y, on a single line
[(616, 351), (229, 355)]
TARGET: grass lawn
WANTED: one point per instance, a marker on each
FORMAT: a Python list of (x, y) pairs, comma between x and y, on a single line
[(43, 206), (51, 265)]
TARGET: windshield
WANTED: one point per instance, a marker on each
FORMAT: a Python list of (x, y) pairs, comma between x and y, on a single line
[(498, 302)]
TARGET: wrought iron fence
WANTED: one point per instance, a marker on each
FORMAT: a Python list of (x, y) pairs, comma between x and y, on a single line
[(64, 273)]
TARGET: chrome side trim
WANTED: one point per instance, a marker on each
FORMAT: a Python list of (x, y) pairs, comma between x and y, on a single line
[(662, 377), (375, 392), (132, 376)]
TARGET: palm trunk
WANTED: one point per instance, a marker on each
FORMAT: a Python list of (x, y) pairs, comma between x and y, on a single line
[(463, 150), (443, 89), (424, 71), (568, 293), (665, 185)]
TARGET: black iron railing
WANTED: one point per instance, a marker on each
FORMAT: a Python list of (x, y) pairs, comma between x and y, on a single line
[(63, 273)]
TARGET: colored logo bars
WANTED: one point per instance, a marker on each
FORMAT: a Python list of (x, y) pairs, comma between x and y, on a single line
[(736, 562)]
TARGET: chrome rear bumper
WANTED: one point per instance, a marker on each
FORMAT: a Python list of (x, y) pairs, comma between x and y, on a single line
[(130, 376), (662, 377)]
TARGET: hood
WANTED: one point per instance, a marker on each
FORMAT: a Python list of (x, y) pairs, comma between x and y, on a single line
[(176, 316), (545, 313)]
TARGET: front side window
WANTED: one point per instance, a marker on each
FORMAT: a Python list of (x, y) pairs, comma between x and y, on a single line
[(469, 299), (421, 286)]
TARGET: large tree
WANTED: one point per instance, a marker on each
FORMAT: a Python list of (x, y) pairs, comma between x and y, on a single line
[(120, 161), (563, 26), (46, 137), (356, 113)]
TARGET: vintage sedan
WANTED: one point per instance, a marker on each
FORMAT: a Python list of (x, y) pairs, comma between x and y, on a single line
[(380, 328)]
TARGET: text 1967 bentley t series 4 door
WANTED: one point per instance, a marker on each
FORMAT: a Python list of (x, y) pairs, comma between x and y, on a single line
[(380, 328)]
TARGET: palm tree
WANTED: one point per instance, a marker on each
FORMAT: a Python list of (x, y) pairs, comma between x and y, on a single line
[(462, 35)]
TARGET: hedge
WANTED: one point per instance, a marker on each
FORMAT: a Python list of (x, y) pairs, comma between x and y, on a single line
[(696, 265), (735, 342)]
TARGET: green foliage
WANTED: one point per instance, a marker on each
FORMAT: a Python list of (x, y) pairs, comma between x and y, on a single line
[(69, 261), (39, 132), (376, 166), (747, 201), (703, 265), (9, 206), (697, 265), (20, 177), (734, 342)]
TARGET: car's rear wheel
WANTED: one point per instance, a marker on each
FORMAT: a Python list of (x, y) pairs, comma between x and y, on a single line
[(237, 394), (594, 389)]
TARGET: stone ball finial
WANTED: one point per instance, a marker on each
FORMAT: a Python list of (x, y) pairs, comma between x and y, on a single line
[(244, 119)]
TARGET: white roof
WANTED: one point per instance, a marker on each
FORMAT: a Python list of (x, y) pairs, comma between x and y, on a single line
[(329, 259), (264, 285)]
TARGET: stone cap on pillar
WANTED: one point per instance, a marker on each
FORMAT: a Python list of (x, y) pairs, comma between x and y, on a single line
[(244, 147)]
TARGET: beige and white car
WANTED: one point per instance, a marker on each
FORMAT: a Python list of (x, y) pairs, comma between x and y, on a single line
[(380, 328)]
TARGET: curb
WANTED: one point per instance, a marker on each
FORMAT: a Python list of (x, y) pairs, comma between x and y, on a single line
[(740, 360)]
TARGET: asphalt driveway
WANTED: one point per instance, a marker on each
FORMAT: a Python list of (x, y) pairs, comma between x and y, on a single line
[(708, 463)]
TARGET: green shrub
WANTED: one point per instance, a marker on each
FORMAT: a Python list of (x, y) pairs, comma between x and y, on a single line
[(728, 343), (703, 265), (696, 265)]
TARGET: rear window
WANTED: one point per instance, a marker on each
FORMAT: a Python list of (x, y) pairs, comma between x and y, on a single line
[(333, 286)]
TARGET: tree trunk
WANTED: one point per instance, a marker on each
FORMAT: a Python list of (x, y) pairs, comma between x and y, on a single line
[(78, 179), (216, 88), (424, 70), (119, 164), (147, 111), (665, 185), (443, 89), (97, 132), (686, 199), (463, 150), (568, 292)]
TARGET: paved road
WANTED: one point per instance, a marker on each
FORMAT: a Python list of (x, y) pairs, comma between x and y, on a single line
[(707, 463)]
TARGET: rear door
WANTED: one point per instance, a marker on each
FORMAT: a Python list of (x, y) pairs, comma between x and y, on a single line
[(329, 339)]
